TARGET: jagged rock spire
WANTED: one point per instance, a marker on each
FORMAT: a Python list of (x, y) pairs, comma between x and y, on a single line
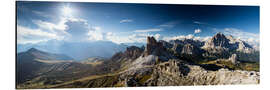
[(153, 47)]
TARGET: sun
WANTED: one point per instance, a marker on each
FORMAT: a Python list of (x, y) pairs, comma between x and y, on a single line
[(67, 10)]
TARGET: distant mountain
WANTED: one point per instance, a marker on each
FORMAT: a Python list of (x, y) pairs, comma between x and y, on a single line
[(221, 46), (137, 44), (77, 50), (222, 42), (33, 61), (93, 60), (36, 66), (37, 54)]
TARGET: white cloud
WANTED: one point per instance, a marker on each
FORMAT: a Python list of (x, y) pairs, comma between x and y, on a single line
[(149, 30), (110, 36), (157, 36), (96, 34), (189, 36), (43, 14), (201, 23), (28, 35), (133, 38), (61, 25), (69, 29), (126, 21), (168, 24), (50, 26), (197, 22), (97, 28), (141, 38), (197, 31), (79, 30), (180, 37)]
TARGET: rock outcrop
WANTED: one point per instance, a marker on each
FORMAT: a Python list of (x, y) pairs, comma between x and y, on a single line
[(233, 59), (177, 48), (156, 48), (153, 47), (133, 52), (190, 50), (175, 73)]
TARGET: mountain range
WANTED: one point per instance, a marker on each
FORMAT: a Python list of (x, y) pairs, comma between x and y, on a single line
[(76, 50), (222, 60)]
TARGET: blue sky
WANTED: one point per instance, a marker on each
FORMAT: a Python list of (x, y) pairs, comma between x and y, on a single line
[(129, 23)]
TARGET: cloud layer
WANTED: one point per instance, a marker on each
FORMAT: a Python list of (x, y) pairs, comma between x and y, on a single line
[(189, 36), (149, 30), (197, 31), (126, 21), (29, 35)]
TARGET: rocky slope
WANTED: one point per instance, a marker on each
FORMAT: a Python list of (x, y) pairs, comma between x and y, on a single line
[(36, 68), (157, 66)]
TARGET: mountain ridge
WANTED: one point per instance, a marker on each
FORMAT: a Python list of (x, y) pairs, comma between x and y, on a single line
[(174, 63)]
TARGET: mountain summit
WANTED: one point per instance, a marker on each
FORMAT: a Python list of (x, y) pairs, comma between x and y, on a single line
[(153, 47), (219, 40), (38, 54), (221, 43), (33, 50)]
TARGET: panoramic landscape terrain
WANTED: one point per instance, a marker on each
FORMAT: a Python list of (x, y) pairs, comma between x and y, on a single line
[(93, 45)]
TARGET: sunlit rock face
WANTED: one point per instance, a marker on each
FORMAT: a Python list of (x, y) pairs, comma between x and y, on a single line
[(220, 43)]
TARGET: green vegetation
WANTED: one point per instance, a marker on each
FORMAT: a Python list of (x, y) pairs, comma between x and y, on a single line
[(254, 56), (144, 78), (119, 84), (248, 66)]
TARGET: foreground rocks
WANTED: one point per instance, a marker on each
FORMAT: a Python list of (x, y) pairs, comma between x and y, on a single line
[(175, 73), (171, 73)]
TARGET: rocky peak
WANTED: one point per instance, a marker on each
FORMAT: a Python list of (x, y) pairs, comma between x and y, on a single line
[(32, 50), (133, 52), (166, 44), (190, 49), (153, 47), (196, 43), (35, 51), (177, 48), (233, 59), (220, 40), (230, 37), (151, 41), (244, 47)]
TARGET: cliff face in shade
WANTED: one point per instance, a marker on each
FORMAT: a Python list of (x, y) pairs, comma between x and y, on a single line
[(153, 47)]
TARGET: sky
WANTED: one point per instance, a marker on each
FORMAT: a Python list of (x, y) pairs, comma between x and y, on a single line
[(39, 22)]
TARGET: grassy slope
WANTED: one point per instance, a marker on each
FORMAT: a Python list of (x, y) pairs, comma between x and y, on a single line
[(248, 66)]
